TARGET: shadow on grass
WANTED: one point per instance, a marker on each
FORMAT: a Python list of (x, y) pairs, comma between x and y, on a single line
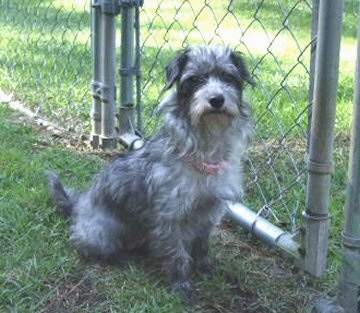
[(42, 272)]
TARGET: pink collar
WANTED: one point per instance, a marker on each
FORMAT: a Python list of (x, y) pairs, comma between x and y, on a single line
[(205, 167)]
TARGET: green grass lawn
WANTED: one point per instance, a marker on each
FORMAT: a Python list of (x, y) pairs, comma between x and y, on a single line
[(45, 55), (40, 270), (45, 63)]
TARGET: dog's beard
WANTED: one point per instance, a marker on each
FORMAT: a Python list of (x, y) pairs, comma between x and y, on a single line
[(216, 122)]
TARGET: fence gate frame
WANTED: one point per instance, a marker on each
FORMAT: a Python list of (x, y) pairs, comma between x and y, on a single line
[(310, 247), (350, 271), (320, 146)]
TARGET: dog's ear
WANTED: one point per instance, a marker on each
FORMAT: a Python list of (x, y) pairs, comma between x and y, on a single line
[(175, 68), (238, 61)]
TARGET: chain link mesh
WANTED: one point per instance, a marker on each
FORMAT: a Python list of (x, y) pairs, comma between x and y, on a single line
[(275, 37), (46, 63), (45, 57)]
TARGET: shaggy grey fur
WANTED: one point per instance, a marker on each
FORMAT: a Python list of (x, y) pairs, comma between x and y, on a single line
[(166, 198)]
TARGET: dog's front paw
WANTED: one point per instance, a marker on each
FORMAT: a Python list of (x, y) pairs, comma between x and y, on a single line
[(206, 266), (185, 289)]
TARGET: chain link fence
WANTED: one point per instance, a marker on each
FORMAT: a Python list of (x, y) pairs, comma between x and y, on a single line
[(45, 59), (275, 38), (46, 63)]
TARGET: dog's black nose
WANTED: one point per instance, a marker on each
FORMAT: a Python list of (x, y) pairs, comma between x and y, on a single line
[(217, 101)]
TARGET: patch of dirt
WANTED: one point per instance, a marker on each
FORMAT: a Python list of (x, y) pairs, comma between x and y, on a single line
[(74, 293), (51, 134)]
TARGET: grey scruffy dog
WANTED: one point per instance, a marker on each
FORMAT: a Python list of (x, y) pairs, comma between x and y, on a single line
[(166, 198)]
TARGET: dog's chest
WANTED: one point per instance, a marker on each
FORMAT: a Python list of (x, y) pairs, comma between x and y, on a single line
[(187, 186)]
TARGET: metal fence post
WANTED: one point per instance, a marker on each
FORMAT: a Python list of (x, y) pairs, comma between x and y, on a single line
[(314, 33), (110, 9), (350, 274), (139, 106), (96, 83), (104, 63), (129, 70), (321, 138), (127, 73)]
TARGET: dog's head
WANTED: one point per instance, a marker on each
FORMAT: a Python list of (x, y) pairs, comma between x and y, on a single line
[(209, 82)]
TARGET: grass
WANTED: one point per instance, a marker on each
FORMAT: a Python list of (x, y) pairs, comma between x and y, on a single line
[(41, 272), (45, 62), (40, 40), (48, 37)]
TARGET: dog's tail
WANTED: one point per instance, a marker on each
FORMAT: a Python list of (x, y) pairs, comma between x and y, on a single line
[(59, 194)]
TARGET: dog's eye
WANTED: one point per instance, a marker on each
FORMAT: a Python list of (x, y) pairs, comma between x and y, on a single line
[(230, 79), (196, 80)]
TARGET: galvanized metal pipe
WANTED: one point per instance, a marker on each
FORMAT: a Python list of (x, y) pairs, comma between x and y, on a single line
[(108, 138), (321, 138), (96, 83), (139, 107), (127, 72), (350, 274), (263, 229), (314, 33)]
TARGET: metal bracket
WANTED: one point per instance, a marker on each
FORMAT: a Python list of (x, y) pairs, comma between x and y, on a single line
[(312, 216), (131, 141), (131, 3), (102, 92), (107, 6), (130, 71), (350, 241), (320, 168), (107, 142), (96, 89)]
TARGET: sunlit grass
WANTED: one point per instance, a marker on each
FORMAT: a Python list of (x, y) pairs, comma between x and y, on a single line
[(71, 5), (45, 62), (46, 53)]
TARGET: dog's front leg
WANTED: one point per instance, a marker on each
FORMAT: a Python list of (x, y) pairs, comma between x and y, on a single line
[(176, 261), (177, 266), (200, 251)]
